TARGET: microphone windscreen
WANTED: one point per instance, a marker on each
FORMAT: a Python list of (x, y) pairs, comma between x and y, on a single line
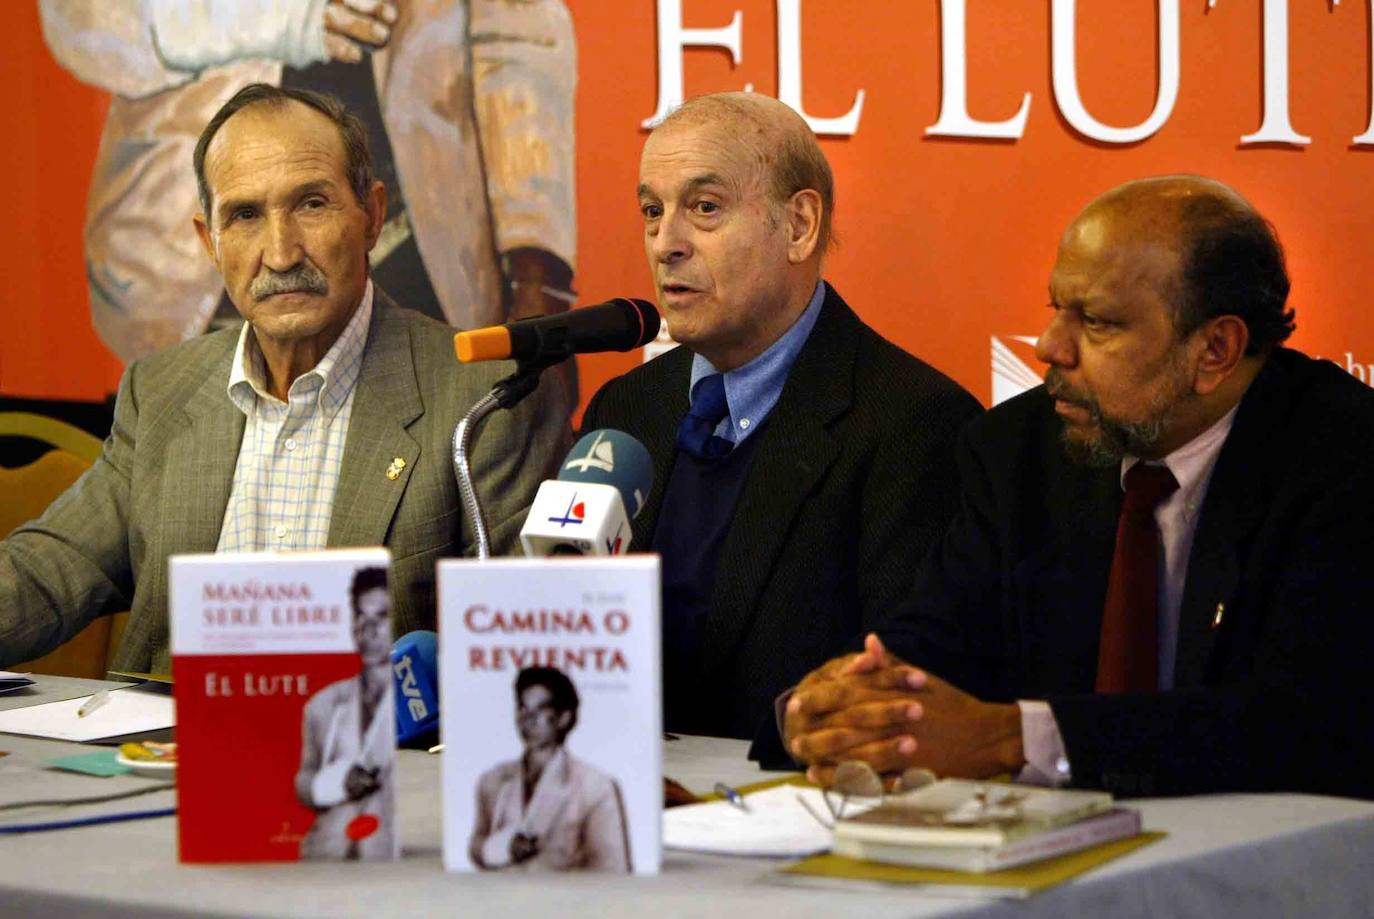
[(489, 344), (646, 314), (415, 669), (622, 324), (611, 457)]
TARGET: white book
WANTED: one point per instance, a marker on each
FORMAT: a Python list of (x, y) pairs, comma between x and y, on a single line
[(551, 714), (1119, 823)]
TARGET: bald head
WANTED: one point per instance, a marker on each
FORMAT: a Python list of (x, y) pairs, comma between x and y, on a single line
[(1167, 195), (1228, 257), (773, 136)]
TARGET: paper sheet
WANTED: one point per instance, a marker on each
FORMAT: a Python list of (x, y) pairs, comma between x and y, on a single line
[(128, 711), (777, 824)]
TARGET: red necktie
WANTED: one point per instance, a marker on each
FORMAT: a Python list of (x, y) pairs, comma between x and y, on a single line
[(1128, 654)]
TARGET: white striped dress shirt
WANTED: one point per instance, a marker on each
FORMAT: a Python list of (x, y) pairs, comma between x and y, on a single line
[(288, 467)]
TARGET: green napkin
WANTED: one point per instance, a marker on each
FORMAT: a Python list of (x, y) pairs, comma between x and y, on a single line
[(102, 764)]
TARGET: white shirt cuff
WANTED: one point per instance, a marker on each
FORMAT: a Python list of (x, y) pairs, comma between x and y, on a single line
[(1046, 762)]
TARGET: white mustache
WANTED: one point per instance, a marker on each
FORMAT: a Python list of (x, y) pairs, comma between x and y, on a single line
[(303, 277)]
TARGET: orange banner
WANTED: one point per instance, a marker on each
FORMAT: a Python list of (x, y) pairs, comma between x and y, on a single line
[(964, 135)]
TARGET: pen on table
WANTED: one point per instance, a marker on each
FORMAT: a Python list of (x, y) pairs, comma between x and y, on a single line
[(733, 796), (93, 703)]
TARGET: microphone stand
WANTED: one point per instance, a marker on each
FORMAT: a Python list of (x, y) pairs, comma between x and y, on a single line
[(552, 346), (505, 394)]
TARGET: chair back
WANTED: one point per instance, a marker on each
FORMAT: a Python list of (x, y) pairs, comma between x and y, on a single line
[(25, 492)]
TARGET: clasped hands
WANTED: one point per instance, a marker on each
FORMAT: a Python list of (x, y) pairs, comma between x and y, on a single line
[(874, 707)]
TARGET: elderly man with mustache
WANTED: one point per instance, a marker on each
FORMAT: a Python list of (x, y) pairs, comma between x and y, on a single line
[(323, 422)]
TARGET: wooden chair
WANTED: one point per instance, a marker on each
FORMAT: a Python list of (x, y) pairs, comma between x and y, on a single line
[(24, 493)]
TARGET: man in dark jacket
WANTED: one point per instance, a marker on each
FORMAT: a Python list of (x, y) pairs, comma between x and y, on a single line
[(801, 461), (1158, 578)]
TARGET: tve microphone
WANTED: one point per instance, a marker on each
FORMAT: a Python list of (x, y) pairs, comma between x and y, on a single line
[(415, 668), (618, 325), (587, 510)]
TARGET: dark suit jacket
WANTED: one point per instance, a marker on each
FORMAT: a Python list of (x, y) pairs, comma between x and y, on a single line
[(852, 481), (1272, 689), (163, 481)]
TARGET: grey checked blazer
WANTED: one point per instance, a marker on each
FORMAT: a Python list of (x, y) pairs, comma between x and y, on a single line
[(162, 484)]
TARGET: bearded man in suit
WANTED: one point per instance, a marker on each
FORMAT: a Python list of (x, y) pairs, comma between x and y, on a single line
[(1157, 581), (324, 421)]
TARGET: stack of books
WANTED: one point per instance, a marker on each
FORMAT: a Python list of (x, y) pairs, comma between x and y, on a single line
[(974, 839), (977, 827)]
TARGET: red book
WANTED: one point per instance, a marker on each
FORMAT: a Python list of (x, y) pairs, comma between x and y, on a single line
[(286, 723)]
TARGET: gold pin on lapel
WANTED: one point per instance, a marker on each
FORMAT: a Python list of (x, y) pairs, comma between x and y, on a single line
[(393, 472), (1216, 619)]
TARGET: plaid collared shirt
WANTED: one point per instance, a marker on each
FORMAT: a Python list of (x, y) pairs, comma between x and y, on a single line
[(288, 466)]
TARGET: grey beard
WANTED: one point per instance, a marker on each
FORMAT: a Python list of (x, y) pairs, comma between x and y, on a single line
[(1114, 439)]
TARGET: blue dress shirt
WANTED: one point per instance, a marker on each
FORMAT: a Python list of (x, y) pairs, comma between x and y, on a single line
[(753, 389)]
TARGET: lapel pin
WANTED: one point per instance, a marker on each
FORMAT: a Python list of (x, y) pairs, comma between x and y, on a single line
[(393, 472), (1216, 619)]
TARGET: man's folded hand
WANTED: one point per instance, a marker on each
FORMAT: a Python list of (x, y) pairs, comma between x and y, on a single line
[(875, 708)]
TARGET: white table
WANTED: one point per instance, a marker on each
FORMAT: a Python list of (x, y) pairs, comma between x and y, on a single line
[(1226, 855)]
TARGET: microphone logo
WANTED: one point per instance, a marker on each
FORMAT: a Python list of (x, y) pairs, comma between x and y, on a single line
[(600, 455), (574, 515), (415, 703)]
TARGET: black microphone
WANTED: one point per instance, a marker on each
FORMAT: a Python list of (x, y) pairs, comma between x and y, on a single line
[(617, 325)]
